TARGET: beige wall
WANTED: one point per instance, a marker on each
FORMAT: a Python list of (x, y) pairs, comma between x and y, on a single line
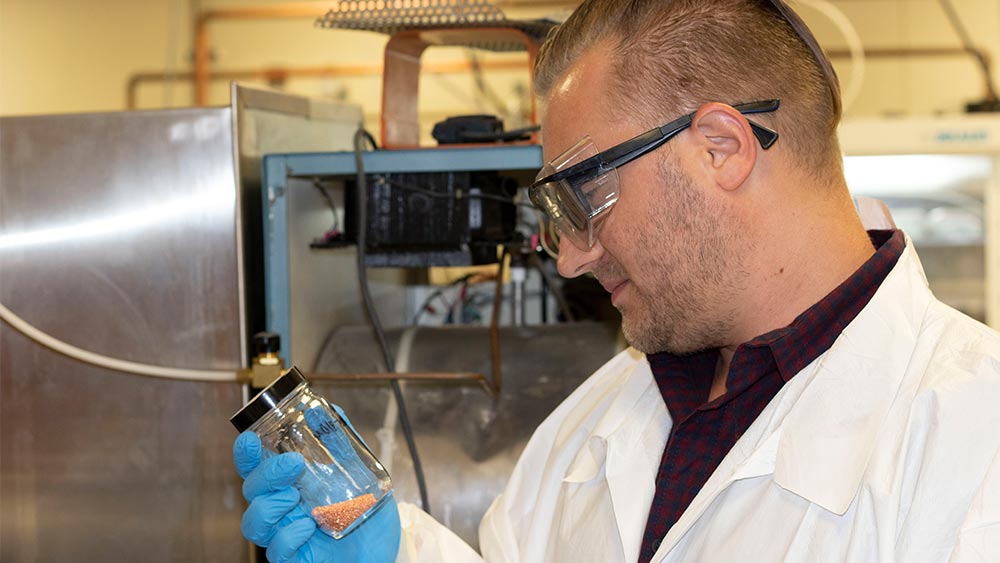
[(914, 86), (61, 56)]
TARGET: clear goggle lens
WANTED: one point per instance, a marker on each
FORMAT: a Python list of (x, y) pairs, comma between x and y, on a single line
[(573, 210)]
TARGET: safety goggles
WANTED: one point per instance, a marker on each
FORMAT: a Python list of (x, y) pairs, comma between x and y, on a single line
[(576, 189)]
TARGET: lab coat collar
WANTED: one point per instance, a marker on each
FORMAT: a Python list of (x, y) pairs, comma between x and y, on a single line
[(817, 436)]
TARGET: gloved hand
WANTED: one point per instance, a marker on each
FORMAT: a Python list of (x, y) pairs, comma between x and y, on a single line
[(276, 521)]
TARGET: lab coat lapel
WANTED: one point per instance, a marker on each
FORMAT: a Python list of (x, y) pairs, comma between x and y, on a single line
[(816, 436), (634, 455), (623, 451), (753, 455), (834, 425)]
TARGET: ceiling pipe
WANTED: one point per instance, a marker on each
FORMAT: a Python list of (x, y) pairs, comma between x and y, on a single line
[(204, 76), (293, 10), (201, 45), (278, 75)]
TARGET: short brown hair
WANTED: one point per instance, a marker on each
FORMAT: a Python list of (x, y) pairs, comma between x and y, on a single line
[(672, 56)]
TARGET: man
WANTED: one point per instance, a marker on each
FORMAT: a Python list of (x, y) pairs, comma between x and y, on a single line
[(794, 392)]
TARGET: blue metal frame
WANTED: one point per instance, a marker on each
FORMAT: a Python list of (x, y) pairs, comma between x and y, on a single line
[(278, 168)]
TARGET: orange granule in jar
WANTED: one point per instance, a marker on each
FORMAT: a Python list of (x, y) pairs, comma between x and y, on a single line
[(338, 516)]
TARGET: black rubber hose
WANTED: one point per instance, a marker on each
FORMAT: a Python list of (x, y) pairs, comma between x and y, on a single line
[(390, 364)]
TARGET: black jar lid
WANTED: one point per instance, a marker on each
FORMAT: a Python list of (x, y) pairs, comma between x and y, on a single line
[(267, 399)]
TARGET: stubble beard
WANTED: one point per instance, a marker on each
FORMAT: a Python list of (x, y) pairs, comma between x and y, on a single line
[(683, 294)]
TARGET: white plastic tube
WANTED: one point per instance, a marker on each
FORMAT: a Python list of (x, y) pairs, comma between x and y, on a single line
[(114, 364), (854, 44), (387, 434)]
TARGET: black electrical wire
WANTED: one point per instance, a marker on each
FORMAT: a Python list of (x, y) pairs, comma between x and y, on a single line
[(390, 364), (535, 261), (513, 135), (370, 139), (439, 292), (329, 200), (459, 302), (501, 199), (963, 35), (445, 195)]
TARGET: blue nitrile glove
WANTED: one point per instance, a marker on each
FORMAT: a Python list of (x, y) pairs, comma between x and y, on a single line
[(276, 521)]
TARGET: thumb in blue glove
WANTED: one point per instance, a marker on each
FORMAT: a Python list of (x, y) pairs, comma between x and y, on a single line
[(276, 520)]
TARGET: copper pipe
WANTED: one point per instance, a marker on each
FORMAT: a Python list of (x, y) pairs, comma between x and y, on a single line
[(400, 127), (375, 69), (280, 74), (907, 52), (453, 377), (295, 10), (201, 47)]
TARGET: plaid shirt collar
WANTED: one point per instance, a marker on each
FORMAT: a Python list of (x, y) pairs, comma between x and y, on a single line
[(704, 432), (685, 381)]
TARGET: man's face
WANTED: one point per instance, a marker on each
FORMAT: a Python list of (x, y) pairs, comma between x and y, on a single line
[(665, 251)]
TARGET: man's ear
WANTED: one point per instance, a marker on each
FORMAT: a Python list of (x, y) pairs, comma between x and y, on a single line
[(728, 144)]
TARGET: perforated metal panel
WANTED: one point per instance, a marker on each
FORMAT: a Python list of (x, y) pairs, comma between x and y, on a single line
[(393, 16)]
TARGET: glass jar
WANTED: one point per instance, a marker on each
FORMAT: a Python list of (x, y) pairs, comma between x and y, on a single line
[(343, 483)]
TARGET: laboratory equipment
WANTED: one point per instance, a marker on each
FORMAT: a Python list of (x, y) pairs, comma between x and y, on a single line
[(940, 177), (132, 247)]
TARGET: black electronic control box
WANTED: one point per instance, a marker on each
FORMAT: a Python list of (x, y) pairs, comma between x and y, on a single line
[(434, 218)]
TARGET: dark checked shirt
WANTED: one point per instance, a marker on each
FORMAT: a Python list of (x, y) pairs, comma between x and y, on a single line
[(704, 432)]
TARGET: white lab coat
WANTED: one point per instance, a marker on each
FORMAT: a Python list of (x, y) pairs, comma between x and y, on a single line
[(885, 448)]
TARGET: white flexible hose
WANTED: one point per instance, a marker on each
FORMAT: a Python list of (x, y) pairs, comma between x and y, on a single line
[(114, 364), (387, 434), (854, 44)]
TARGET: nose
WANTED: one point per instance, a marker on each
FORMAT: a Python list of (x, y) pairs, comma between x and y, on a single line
[(573, 262)]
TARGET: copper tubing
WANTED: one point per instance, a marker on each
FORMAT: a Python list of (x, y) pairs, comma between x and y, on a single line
[(907, 52), (492, 386), (201, 48), (318, 9), (438, 376), (400, 117), (294, 10), (280, 74)]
